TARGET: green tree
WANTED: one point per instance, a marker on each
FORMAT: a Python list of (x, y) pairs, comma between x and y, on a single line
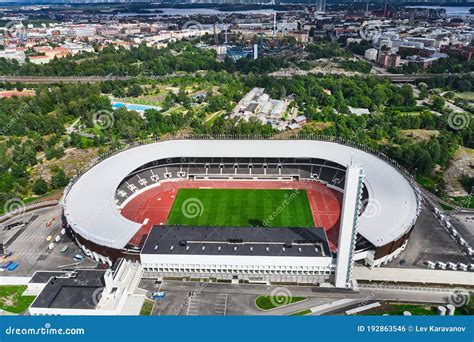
[(58, 179), (40, 187), (134, 91), (438, 103)]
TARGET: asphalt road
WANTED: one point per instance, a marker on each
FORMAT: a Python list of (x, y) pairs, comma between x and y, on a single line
[(202, 298)]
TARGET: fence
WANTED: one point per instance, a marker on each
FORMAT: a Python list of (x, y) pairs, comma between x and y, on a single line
[(25, 209)]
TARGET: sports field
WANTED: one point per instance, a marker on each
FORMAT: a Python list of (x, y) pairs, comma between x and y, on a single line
[(241, 208)]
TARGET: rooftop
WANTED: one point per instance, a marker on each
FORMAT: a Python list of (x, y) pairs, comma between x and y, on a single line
[(258, 241), (82, 290)]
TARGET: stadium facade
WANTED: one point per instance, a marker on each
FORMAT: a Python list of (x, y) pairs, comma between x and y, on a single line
[(379, 209)]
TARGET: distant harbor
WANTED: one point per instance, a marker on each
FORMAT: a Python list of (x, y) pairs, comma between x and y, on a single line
[(451, 11)]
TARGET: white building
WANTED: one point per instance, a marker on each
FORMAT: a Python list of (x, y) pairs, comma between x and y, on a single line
[(76, 48), (238, 254), (358, 111), (90, 292), (13, 54), (371, 54), (256, 103)]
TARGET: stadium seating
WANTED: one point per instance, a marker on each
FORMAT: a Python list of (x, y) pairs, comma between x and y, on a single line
[(225, 168)]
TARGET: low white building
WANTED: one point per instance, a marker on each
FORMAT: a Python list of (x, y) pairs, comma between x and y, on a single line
[(13, 54), (256, 103), (238, 254), (358, 111), (89, 292), (76, 48), (371, 54)]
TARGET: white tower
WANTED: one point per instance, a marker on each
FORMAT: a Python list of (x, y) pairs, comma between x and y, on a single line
[(348, 231), (274, 24), (255, 51)]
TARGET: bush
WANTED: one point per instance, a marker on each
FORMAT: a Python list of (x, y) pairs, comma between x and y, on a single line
[(59, 179), (40, 187)]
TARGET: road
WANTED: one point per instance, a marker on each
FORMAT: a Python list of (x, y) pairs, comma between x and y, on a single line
[(57, 79), (203, 298)]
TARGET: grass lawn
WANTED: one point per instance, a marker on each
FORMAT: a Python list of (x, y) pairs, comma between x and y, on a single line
[(463, 201), (241, 208), (468, 95), (427, 182), (445, 207), (301, 313), (146, 308), (397, 309), (272, 302), (11, 299), (213, 117)]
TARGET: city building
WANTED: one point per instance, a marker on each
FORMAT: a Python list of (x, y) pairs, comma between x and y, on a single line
[(371, 54), (89, 292), (388, 60)]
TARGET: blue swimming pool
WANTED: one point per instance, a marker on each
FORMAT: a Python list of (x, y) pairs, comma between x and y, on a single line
[(132, 106)]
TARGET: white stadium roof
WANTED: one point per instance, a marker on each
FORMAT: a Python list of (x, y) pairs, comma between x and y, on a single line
[(91, 211)]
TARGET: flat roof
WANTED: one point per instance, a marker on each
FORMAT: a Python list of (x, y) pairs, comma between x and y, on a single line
[(81, 291), (257, 241), (42, 277), (91, 211)]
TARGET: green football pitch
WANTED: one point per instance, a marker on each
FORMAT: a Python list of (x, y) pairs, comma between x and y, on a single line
[(241, 208)]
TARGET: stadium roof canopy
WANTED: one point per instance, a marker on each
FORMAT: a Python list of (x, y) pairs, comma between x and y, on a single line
[(91, 211)]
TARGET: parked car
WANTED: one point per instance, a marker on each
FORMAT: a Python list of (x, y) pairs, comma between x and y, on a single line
[(158, 295), (78, 257), (12, 267), (7, 264)]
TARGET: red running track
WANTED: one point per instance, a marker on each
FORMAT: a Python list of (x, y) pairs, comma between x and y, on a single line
[(152, 207)]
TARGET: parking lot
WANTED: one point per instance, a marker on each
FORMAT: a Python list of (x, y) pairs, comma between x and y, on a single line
[(464, 223), (29, 244), (430, 241), (207, 304)]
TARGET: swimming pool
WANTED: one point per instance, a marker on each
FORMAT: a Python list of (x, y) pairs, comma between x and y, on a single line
[(132, 106)]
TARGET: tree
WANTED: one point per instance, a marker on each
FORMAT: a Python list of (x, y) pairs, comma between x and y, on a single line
[(59, 179), (40, 187), (438, 103), (135, 91)]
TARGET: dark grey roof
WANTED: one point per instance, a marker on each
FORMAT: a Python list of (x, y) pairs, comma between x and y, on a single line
[(259, 241), (82, 291), (42, 277)]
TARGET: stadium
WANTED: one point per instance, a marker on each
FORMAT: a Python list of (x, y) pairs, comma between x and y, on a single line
[(252, 210)]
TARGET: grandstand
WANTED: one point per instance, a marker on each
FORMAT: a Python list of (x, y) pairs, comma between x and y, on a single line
[(113, 207)]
